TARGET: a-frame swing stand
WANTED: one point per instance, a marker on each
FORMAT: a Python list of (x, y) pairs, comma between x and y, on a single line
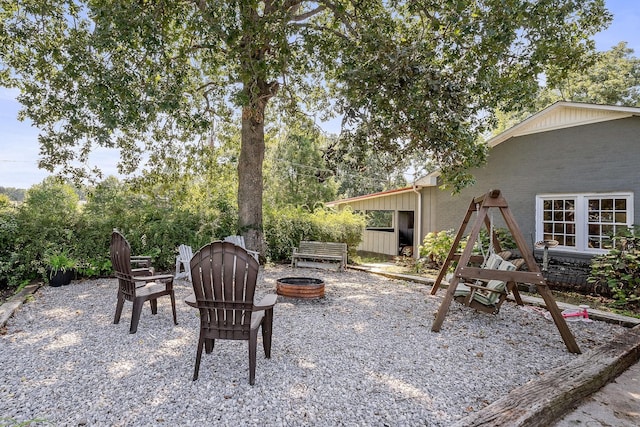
[(482, 204)]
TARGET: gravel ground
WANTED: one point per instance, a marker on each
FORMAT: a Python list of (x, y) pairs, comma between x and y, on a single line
[(363, 355)]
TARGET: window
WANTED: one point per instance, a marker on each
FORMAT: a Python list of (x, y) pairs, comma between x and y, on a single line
[(380, 220), (583, 222)]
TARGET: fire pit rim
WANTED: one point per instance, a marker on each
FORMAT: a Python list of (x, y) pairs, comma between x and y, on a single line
[(300, 287)]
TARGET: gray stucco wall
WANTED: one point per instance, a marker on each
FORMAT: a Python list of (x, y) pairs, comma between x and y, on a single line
[(600, 157)]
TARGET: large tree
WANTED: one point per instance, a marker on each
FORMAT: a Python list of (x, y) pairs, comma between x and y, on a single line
[(149, 77), (611, 77)]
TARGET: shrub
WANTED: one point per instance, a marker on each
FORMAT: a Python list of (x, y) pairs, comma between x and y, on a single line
[(8, 235), (46, 223), (504, 236), (286, 227), (617, 273), (436, 246)]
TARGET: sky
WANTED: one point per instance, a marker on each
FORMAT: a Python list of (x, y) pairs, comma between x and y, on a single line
[(19, 149)]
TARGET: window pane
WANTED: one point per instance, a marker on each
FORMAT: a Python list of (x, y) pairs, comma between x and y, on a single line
[(570, 241), (380, 219), (547, 216), (621, 204), (548, 227), (594, 205), (558, 228), (546, 205), (621, 217), (558, 205), (558, 216), (606, 204), (571, 229), (594, 229)]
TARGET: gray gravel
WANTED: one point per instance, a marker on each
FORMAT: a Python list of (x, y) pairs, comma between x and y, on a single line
[(363, 355)]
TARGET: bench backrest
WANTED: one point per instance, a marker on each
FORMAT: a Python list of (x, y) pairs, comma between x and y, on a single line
[(322, 248)]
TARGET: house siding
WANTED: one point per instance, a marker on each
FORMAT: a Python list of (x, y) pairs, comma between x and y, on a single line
[(385, 242), (600, 157)]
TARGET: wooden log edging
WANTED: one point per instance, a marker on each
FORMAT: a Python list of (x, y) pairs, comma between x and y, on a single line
[(12, 304), (545, 400)]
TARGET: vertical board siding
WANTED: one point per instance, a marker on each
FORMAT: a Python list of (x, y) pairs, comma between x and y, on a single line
[(384, 242)]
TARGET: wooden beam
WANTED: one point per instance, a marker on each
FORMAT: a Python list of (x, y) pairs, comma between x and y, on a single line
[(541, 402)]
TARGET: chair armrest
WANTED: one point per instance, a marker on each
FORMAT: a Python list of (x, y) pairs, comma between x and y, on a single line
[(483, 288), (191, 300), (267, 302), (153, 278)]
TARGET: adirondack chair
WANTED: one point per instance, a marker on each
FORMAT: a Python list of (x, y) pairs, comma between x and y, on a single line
[(138, 286), (224, 279), (239, 241), (185, 253)]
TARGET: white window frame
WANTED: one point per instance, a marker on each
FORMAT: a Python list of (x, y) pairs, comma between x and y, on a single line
[(581, 217)]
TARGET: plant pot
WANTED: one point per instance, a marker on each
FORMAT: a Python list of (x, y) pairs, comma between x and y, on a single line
[(60, 278)]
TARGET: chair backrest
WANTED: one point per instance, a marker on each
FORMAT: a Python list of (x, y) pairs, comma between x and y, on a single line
[(224, 279), (236, 240), (121, 261), (493, 262), (186, 253)]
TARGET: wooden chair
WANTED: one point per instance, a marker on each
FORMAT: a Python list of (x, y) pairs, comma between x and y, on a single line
[(224, 279), (185, 253), (137, 286), (239, 241)]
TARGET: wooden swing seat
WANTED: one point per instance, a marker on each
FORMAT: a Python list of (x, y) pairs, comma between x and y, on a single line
[(490, 296)]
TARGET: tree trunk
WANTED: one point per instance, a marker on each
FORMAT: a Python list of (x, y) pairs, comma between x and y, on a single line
[(250, 166)]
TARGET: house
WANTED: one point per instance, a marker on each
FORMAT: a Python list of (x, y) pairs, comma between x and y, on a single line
[(570, 173)]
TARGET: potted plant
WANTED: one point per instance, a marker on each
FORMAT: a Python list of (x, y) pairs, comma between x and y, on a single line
[(60, 268)]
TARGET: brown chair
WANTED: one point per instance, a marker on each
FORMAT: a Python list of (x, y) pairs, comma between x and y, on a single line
[(137, 285), (224, 282)]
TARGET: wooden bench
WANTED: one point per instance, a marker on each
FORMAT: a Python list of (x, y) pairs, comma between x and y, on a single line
[(320, 255)]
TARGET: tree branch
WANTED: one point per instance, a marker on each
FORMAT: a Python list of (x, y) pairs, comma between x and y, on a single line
[(307, 15)]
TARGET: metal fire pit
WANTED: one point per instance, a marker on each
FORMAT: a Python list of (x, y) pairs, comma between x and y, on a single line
[(300, 287)]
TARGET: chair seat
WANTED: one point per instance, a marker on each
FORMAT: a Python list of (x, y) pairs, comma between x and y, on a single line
[(150, 288), (462, 290)]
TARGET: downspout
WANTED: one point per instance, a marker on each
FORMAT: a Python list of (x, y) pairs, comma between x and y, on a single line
[(418, 224)]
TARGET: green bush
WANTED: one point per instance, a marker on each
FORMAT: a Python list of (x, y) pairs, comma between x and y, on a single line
[(8, 234), (617, 273), (52, 221), (46, 224), (436, 246), (286, 227), (504, 236)]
